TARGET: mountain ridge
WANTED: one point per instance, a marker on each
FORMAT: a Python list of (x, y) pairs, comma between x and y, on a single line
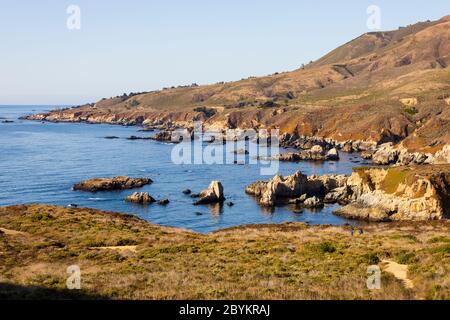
[(389, 86)]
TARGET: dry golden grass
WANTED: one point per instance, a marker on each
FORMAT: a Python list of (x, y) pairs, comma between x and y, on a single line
[(289, 261)]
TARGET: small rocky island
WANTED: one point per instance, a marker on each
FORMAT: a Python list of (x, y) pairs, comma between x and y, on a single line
[(214, 194), (141, 198), (111, 184)]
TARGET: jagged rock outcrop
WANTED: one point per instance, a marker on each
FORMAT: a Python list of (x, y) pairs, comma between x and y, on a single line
[(399, 193), (164, 136), (213, 194), (388, 154), (370, 193), (443, 156), (111, 184), (339, 195), (140, 197), (313, 202), (293, 187), (316, 153), (332, 154)]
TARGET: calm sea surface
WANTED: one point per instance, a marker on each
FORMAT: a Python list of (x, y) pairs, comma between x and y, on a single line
[(39, 163)]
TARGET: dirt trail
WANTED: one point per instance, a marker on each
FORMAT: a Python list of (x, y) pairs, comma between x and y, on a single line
[(400, 271), (12, 232), (117, 248)]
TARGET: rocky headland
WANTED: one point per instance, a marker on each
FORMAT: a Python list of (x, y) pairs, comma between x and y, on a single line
[(382, 87), (419, 193), (383, 95)]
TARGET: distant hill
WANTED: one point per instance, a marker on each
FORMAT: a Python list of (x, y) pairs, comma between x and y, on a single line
[(381, 86)]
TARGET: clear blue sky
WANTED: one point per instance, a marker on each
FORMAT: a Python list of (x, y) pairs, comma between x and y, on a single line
[(136, 45)]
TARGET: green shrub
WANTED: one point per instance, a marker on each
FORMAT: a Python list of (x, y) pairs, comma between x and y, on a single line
[(445, 249), (126, 242), (134, 103), (208, 112), (441, 239), (406, 258), (327, 247), (411, 111), (38, 217), (371, 258), (95, 243)]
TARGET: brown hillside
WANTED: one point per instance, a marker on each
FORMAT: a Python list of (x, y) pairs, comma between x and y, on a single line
[(353, 92)]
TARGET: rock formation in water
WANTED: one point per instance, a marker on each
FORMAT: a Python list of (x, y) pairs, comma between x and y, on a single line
[(213, 194), (292, 187), (140, 197), (111, 184), (316, 153)]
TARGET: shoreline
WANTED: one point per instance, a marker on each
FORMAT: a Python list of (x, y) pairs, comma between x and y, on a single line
[(372, 200), (387, 153)]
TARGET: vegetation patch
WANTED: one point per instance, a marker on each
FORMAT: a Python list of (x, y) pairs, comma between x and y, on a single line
[(411, 111), (406, 258), (249, 262), (327, 247), (395, 177)]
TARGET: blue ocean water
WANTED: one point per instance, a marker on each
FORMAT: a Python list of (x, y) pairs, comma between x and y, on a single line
[(39, 163)]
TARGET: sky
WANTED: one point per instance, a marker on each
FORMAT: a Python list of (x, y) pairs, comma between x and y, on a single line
[(137, 45)]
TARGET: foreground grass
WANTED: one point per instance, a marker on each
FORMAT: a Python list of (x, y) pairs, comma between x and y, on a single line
[(122, 257)]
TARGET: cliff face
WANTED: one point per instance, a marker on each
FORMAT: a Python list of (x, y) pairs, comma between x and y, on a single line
[(381, 87), (418, 193), (400, 193)]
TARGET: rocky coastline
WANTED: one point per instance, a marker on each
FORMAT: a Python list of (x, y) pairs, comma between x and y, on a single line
[(378, 194), (378, 152), (363, 198)]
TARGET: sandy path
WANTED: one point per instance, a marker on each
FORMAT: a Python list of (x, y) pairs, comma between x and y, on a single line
[(12, 232), (400, 271), (117, 248)]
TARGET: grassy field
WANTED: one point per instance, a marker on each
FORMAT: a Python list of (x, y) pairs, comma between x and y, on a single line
[(122, 257)]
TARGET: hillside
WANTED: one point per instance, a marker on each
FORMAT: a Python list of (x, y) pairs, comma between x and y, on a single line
[(382, 86)]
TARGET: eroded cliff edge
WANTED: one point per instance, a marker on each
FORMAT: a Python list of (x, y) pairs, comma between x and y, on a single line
[(413, 193)]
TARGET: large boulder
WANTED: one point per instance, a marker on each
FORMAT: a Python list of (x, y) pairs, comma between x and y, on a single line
[(312, 203), (213, 194), (111, 184), (338, 195), (140, 197), (332, 155)]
